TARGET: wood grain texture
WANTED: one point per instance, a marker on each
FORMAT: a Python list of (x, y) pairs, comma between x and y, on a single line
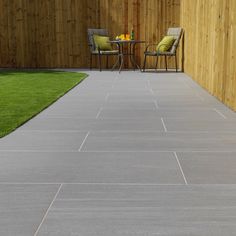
[(53, 33), (210, 39)]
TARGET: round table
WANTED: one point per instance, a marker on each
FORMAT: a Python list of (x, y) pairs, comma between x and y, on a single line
[(131, 46)]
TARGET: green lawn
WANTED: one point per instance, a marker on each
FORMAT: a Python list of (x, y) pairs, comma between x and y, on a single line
[(23, 94)]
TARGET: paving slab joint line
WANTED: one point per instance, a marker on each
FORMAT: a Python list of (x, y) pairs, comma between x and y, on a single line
[(181, 169), (99, 112), (82, 144), (220, 113), (163, 123), (156, 105), (114, 183), (36, 232)]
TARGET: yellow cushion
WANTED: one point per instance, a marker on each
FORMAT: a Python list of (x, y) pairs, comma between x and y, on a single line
[(165, 44), (102, 42)]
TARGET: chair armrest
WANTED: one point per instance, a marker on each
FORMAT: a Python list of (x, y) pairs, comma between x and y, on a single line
[(150, 45)]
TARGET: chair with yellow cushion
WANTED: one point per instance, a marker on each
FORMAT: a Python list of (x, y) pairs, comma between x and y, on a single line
[(99, 45), (167, 47)]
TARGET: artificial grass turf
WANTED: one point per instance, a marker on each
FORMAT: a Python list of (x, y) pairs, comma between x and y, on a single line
[(23, 94)]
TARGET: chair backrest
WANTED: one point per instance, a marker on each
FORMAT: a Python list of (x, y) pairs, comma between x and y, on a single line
[(176, 33), (91, 32)]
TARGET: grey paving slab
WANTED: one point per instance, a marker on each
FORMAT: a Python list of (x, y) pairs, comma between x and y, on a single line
[(23, 207), (93, 84), (204, 125), (174, 92), (170, 86), (209, 168), (163, 97), (160, 141), (74, 105), (85, 124), (89, 167), (188, 113), (131, 105), (84, 98), (131, 85), (130, 97), (93, 90), (130, 92), (60, 123), (175, 103), (142, 210), (71, 111), (43, 141), (129, 113), (194, 99)]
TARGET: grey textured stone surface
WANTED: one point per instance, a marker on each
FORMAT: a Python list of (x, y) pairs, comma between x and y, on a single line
[(160, 141), (142, 210), (83, 124), (23, 206), (89, 167), (209, 168), (43, 140), (125, 154)]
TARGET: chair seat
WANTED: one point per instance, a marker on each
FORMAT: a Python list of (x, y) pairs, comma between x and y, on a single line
[(110, 52), (155, 53)]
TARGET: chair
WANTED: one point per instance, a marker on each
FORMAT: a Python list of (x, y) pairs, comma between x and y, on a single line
[(97, 52), (177, 34)]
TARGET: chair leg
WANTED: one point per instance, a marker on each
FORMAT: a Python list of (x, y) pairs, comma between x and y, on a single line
[(156, 63), (144, 63), (91, 61), (166, 62), (100, 62), (176, 63)]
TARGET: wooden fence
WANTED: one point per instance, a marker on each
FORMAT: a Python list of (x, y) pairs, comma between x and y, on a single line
[(53, 33), (210, 51)]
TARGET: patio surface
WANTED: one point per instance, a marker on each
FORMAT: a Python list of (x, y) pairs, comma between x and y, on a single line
[(127, 154)]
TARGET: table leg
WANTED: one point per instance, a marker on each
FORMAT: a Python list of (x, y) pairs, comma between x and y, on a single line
[(131, 52), (118, 61), (132, 56)]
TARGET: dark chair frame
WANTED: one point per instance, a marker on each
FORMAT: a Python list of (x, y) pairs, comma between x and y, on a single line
[(97, 52), (177, 33)]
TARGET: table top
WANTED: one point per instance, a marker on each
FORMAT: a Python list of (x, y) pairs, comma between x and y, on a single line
[(127, 41)]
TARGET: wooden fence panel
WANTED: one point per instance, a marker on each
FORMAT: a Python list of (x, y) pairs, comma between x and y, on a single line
[(53, 33), (210, 39)]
